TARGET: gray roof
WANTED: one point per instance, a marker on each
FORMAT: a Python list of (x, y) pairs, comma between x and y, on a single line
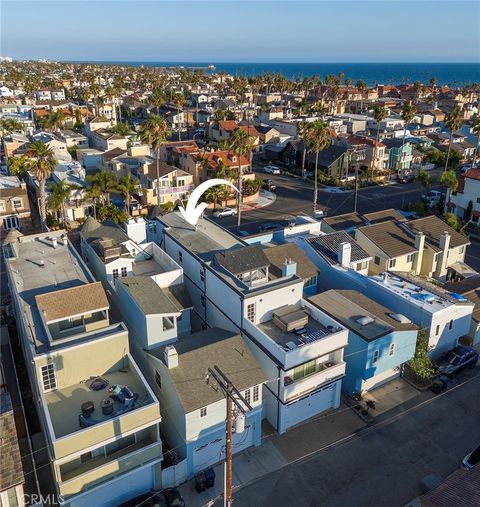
[(327, 247), (92, 230), (242, 259), (390, 237), (10, 459), (148, 295), (433, 227), (346, 306), (383, 215), (277, 254), (206, 349), (345, 221)]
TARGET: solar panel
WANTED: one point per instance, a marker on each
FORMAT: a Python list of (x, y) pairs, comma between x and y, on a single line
[(314, 335)]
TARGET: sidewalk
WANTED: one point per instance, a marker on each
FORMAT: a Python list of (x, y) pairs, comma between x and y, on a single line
[(265, 198)]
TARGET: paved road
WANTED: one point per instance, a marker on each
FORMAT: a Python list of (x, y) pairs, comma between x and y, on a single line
[(294, 196), (383, 465)]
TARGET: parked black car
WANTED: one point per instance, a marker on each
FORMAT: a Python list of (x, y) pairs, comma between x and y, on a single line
[(472, 459), (457, 359), (169, 497)]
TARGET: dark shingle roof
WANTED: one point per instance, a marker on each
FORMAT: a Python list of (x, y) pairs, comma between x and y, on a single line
[(278, 253), (384, 215), (10, 459), (433, 227), (206, 349), (345, 221), (92, 230), (243, 259), (390, 238), (327, 247)]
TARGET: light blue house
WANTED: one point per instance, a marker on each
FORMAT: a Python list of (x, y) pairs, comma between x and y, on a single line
[(399, 154), (379, 341)]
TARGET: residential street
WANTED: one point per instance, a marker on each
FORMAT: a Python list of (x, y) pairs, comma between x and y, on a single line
[(381, 465)]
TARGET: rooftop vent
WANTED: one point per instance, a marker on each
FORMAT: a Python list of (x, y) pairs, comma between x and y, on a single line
[(365, 320), (400, 318)]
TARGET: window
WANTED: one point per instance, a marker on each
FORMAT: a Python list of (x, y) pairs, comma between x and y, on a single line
[(12, 499), (124, 271), (437, 330), (246, 395), (251, 312), (311, 282), (115, 275), (362, 265), (168, 323), (180, 256), (2, 205), (70, 323), (450, 324), (203, 412), (393, 263), (202, 275), (391, 349), (49, 379), (120, 444), (158, 379), (17, 203), (202, 300), (375, 356), (86, 456), (461, 250), (11, 223), (304, 370), (410, 257), (377, 260), (255, 393)]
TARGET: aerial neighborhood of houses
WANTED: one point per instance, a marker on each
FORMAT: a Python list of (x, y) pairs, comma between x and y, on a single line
[(124, 319)]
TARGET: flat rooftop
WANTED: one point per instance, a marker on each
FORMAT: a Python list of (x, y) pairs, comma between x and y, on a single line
[(148, 267), (65, 405), (204, 240), (419, 292)]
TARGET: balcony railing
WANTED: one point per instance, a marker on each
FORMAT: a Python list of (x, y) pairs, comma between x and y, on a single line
[(176, 190)]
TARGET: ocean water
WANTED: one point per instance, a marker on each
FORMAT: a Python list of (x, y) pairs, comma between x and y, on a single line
[(455, 74)]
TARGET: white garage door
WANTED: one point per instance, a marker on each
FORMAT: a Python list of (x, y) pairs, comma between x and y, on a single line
[(209, 454), (380, 379), (309, 406)]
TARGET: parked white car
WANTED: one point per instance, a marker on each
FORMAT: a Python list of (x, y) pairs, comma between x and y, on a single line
[(224, 212), (433, 197), (271, 169)]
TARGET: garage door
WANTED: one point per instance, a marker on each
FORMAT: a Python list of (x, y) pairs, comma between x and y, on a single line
[(208, 454), (380, 379), (309, 406)]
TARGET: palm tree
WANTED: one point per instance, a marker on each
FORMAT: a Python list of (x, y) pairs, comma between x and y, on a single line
[(93, 193), (476, 130), (42, 165), (362, 87), (18, 165), (105, 183), (408, 114), (179, 101), (379, 113), (241, 145), (122, 129), (56, 120), (449, 179), (154, 131), (127, 186), (10, 125), (59, 194), (453, 121), (317, 136)]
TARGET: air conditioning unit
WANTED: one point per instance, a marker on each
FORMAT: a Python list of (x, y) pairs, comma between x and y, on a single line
[(290, 345)]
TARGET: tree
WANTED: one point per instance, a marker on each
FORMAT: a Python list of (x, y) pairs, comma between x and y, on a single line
[(122, 129), (127, 186), (424, 179), (379, 113), (42, 164), (18, 165), (449, 179), (452, 220), (179, 101), (154, 131), (241, 144), (421, 364), (105, 183), (476, 130), (93, 193), (10, 125), (317, 137), (59, 194), (467, 216), (216, 194), (408, 114), (453, 121)]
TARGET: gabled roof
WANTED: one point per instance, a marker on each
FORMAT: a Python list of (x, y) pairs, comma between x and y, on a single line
[(345, 221), (433, 227), (65, 303), (243, 259), (473, 174), (390, 238), (384, 215), (327, 246), (92, 230), (277, 254), (206, 349)]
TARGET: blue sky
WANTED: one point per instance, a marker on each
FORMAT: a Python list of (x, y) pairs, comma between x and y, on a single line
[(249, 31)]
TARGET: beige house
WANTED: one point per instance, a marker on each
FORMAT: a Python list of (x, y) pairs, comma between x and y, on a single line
[(175, 184), (14, 204), (99, 417)]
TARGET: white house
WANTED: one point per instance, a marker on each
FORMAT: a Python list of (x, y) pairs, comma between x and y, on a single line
[(468, 191)]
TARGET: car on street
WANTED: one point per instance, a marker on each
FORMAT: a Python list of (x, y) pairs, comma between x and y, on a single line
[(432, 198), (457, 359), (224, 212), (269, 227), (472, 459), (406, 178), (272, 169), (169, 497)]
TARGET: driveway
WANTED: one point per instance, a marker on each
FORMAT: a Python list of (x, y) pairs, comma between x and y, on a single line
[(381, 465)]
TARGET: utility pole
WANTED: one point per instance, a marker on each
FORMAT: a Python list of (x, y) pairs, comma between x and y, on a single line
[(233, 396)]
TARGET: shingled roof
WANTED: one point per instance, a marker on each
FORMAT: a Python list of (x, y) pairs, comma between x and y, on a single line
[(10, 459), (243, 259), (390, 238), (327, 247), (277, 254)]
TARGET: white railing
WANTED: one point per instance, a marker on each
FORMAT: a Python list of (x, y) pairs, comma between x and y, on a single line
[(176, 190)]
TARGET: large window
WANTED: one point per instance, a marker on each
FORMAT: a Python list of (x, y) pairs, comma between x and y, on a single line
[(120, 444), (304, 370), (168, 323), (393, 263), (70, 323), (49, 379), (11, 223), (311, 282)]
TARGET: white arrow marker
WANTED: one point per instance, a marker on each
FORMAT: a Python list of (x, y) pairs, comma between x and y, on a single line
[(192, 212)]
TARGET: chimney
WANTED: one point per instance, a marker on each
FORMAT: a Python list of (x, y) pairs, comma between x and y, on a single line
[(385, 277), (345, 254), (54, 242), (289, 268), (445, 241), (444, 244), (170, 356), (419, 246)]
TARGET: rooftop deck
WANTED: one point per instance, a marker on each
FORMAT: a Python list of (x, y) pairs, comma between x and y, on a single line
[(148, 267), (64, 405)]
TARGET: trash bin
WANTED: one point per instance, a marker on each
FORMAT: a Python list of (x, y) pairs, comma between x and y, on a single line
[(209, 478), (200, 482)]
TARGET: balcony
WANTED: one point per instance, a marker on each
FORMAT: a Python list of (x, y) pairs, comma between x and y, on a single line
[(176, 190), (325, 372)]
